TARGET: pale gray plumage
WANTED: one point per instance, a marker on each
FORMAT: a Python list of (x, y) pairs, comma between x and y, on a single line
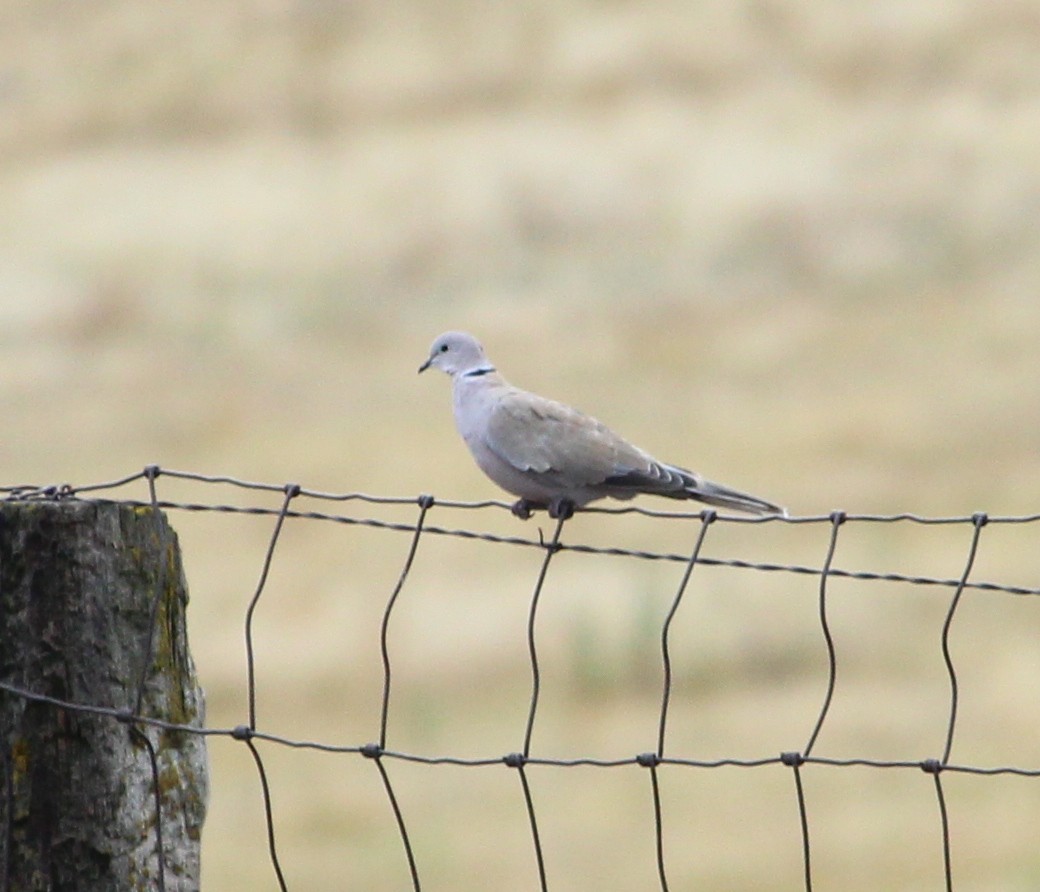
[(553, 456)]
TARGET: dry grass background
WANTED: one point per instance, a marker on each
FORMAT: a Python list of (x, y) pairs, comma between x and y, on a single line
[(791, 244)]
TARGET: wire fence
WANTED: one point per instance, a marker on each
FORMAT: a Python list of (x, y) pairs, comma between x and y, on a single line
[(383, 756)]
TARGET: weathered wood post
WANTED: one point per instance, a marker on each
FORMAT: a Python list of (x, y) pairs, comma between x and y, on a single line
[(92, 612)]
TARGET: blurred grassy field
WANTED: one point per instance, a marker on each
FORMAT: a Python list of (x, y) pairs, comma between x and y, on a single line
[(791, 245)]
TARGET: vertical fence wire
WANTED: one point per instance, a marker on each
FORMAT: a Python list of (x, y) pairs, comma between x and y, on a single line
[(551, 548), (652, 760), (162, 536), (376, 751), (292, 490), (425, 503), (142, 738), (978, 522), (708, 517), (803, 822), (536, 839), (837, 519), (265, 789), (655, 789), (797, 760), (519, 760), (413, 869), (944, 822)]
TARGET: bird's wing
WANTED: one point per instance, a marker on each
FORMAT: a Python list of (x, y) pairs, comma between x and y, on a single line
[(544, 437)]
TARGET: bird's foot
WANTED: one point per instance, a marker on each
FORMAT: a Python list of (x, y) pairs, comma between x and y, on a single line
[(561, 508), (522, 508)]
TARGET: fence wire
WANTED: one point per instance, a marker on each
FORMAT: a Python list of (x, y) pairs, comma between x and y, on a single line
[(383, 756)]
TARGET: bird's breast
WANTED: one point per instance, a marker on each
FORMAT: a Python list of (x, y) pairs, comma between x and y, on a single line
[(473, 403)]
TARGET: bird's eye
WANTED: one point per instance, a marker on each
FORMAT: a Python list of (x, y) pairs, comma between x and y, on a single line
[(444, 348)]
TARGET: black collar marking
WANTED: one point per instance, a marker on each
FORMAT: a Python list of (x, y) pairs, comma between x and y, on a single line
[(476, 373)]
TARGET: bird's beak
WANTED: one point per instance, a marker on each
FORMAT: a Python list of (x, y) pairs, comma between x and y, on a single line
[(425, 365)]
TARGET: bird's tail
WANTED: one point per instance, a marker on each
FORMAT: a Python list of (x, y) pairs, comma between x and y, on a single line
[(723, 497)]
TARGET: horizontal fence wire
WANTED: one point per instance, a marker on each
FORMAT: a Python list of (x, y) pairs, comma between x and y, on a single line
[(383, 755)]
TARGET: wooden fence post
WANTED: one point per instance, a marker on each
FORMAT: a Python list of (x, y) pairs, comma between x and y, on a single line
[(92, 612)]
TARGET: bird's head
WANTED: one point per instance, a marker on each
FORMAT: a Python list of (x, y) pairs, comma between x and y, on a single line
[(457, 353)]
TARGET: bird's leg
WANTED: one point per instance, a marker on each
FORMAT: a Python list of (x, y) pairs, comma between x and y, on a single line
[(522, 508), (561, 508)]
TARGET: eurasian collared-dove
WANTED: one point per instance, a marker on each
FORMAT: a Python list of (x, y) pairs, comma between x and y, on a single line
[(551, 455)]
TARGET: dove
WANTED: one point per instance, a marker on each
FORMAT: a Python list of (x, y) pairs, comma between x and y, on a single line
[(552, 456)]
